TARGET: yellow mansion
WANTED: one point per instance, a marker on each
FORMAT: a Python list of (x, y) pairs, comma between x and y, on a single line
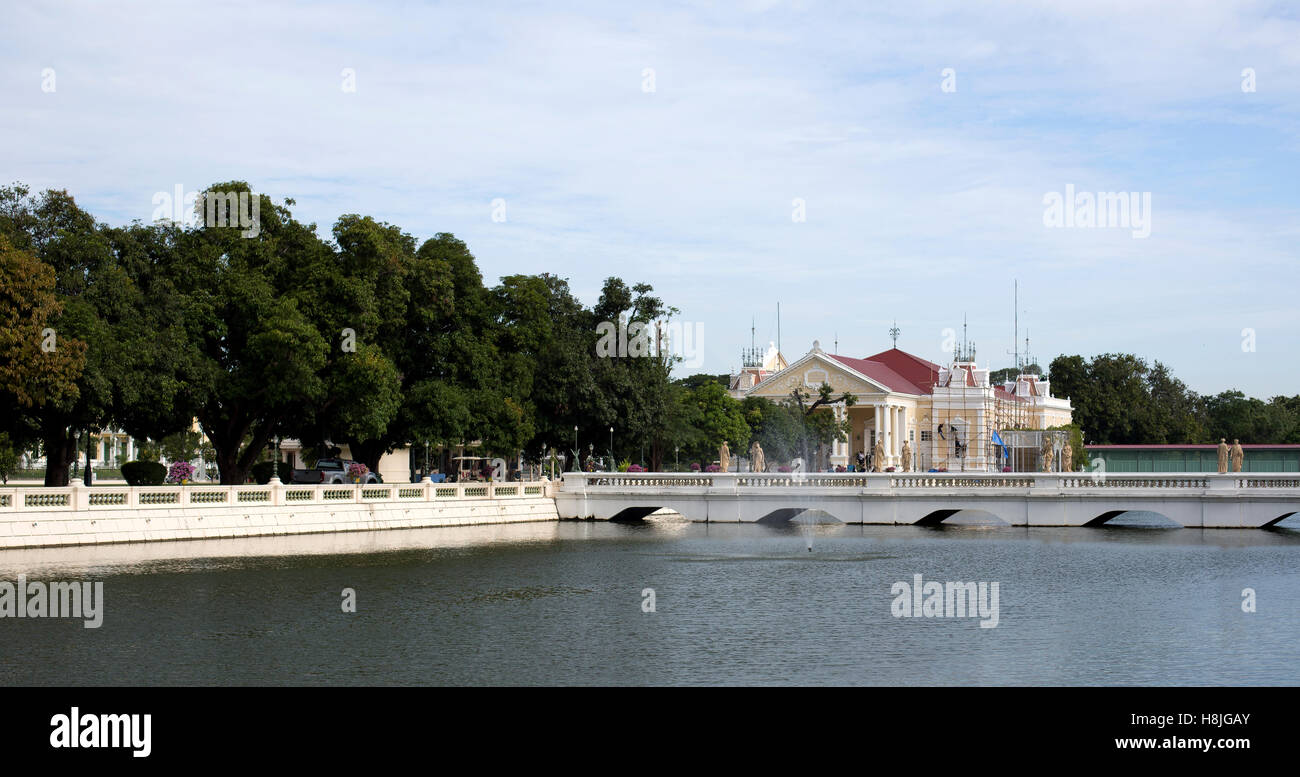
[(948, 415)]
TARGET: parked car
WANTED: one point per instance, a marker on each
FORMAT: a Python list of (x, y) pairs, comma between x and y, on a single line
[(332, 471)]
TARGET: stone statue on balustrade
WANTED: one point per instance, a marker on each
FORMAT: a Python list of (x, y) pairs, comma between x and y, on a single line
[(724, 456), (1223, 455), (907, 456), (757, 461), (878, 456), (1238, 456), (1067, 457), (1049, 455)]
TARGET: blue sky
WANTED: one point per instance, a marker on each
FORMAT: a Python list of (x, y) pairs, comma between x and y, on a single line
[(921, 204)]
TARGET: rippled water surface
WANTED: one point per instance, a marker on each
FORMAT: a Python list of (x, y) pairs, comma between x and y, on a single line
[(562, 603)]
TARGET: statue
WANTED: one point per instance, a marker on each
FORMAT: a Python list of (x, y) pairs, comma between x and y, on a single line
[(1223, 455), (907, 456), (757, 462), (1238, 456), (1067, 458), (724, 456), (878, 456), (1049, 454)]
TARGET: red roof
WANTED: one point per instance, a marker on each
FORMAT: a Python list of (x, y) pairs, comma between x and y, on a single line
[(882, 373), (915, 370)]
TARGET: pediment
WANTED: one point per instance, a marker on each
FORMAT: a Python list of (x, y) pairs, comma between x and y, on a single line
[(809, 373)]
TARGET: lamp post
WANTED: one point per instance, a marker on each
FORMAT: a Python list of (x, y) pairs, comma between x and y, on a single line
[(575, 447), (611, 449), (677, 450)]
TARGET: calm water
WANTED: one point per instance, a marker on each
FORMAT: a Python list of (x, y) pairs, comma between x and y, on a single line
[(562, 604)]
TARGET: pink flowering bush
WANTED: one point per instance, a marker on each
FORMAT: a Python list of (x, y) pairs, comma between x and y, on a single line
[(713, 468), (180, 471), (357, 470), (636, 468)]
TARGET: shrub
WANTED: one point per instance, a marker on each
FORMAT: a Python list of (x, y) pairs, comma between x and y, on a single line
[(636, 468), (144, 473), (695, 466), (713, 468)]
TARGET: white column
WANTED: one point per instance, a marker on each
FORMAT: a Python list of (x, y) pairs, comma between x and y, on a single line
[(877, 429), (889, 434), (902, 431), (896, 426)]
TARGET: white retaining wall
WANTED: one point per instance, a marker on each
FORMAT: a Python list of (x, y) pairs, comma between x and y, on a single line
[(76, 515)]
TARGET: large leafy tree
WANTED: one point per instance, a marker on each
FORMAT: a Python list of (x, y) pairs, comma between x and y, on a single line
[(776, 426), (719, 418), (37, 371), (67, 240), (256, 310)]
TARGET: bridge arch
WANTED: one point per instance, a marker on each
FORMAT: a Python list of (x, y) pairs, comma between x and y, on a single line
[(787, 515), (1115, 519), (633, 514), (957, 516), (1279, 519)]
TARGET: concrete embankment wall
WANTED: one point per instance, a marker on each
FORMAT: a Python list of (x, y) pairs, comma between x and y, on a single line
[(78, 516)]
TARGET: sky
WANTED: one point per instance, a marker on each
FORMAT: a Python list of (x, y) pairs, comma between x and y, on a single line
[(859, 164)]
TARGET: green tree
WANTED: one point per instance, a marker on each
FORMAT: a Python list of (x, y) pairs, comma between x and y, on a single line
[(67, 240), (818, 425), (720, 417), (252, 301), (37, 371)]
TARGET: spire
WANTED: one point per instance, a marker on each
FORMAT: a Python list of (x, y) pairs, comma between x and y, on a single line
[(894, 332)]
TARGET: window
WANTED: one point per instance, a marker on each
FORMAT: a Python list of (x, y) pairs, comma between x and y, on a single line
[(927, 436)]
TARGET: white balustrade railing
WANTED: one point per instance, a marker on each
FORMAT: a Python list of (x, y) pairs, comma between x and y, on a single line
[(78, 497), (888, 482)]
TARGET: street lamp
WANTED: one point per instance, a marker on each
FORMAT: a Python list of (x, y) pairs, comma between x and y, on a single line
[(677, 449), (611, 449)]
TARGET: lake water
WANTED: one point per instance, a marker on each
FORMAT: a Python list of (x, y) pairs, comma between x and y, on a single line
[(562, 603)]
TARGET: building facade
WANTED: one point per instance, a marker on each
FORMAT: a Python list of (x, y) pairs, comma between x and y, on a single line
[(947, 415)]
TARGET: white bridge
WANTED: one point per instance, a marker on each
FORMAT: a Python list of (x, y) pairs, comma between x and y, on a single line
[(1197, 500)]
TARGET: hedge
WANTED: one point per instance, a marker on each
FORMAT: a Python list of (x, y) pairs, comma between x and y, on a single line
[(261, 472), (144, 473)]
